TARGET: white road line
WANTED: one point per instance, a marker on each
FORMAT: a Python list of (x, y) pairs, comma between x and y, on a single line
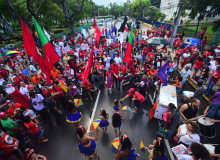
[(151, 99), (94, 110), (168, 146), (169, 149)]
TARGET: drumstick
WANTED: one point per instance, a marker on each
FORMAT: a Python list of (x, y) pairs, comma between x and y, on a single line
[(194, 118)]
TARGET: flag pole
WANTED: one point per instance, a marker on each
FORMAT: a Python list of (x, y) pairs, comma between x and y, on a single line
[(30, 74)]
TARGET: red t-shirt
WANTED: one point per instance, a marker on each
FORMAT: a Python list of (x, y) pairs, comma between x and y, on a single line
[(151, 55), (150, 49), (178, 52), (124, 69), (120, 78), (153, 72), (59, 89), (192, 49), (3, 72), (164, 31), (203, 41), (207, 53), (80, 54), (80, 75), (216, 73), (11, 111), (142, 41), (137, 95), (33, 128), (198, 64), (145, 51), (114, 68), (177, 43), (6, 140)]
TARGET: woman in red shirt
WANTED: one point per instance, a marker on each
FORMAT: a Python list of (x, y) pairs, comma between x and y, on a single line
[(85, 89), (33, 128), (198, 65)]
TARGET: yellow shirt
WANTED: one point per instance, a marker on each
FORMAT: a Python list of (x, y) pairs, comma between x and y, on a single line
[(65, 59)]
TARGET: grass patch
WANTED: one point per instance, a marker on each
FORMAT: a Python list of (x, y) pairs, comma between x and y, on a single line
[(209, 29)]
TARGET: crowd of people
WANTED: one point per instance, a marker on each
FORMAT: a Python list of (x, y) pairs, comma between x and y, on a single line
[(67, 83)]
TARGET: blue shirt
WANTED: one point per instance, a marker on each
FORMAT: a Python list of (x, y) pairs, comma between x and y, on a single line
[(212, 110)]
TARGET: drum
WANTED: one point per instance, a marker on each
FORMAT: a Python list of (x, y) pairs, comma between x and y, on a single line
[(207, 128)]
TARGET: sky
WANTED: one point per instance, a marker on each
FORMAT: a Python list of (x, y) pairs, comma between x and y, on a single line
[(105, 2)]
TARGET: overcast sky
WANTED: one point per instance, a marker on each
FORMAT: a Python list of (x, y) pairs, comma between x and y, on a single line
[(105, 2)]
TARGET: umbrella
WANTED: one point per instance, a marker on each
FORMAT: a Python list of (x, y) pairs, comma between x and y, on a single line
[(115, 144), (158, 41), (78, 102), (143, 150), (11, 52), (126, 108), (94, 124), (122, 102)]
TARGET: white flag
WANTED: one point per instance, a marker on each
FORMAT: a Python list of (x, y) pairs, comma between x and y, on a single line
[(47, 34)]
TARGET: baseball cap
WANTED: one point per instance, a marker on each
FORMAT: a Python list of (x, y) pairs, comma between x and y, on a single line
[(2, 114), (147, 59), (58, 76), (131, 90), (29, 86), (38, 77), (8, 101), (96, 60), (68, 66)]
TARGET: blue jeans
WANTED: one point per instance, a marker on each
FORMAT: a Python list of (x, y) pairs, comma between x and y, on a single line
[(79, 81), (209, 88), (93, 80), (144, 59), (119, 84)]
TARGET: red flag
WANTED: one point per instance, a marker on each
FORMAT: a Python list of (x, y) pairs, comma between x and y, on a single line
[(94, 24), (126, 29), (97, 34), (32, 49), (89, 66)]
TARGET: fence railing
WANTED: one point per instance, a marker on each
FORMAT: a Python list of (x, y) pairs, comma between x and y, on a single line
[(156, 23), (56, 36)]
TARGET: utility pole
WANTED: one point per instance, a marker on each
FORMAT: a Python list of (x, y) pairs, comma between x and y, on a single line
[(176, 22), (108, 8)]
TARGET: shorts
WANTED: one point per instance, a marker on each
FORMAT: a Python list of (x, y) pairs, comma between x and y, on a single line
[(84, 90), (38, 133), (196, 70)]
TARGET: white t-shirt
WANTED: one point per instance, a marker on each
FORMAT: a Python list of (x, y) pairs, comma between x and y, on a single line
[(185, 55), (188, 64), (139, 57), (24, 90), (61, 44), (217, 50), (184, 157), (107, 61), (31, 112), (212, 63), (32, 68), (38, 98), (71, 71), (76, 54), (118, 60), (188, 139)]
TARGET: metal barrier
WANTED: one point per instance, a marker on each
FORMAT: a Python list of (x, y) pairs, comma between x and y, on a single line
[(56, 36), (156, 23)]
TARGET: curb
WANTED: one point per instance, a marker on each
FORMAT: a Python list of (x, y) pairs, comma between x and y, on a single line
[(149, 25), (206, 98)]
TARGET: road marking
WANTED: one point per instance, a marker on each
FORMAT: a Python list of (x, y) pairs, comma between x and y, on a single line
[(94, 110), (151, 99), (168, 146)]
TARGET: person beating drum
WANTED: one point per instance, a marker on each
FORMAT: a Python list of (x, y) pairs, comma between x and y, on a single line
[(213, 112), (189, 110)]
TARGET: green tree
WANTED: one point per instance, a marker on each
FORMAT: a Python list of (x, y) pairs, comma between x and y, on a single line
[(138, 6), (155, 14)]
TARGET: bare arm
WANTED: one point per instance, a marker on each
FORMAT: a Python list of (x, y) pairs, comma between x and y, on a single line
[(96, 137), (206, 110), (182, 109), (124, 116)]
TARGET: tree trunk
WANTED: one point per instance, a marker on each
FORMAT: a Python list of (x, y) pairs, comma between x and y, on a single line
[(10, 29), (71, 23), (31, 8), (197, 28)]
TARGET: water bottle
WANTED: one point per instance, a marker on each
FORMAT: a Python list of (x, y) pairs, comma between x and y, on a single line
[(60, 112)]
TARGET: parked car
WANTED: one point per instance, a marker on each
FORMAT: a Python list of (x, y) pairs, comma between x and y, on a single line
[(119, 20), (99, 24)]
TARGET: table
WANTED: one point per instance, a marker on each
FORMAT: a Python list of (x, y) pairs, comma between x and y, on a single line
[(167, 95)]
